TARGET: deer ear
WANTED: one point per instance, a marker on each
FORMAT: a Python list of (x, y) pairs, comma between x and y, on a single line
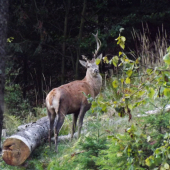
[(100, 56), (83, 63)]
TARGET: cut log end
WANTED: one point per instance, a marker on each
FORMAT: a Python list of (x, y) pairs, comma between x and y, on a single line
[(15, 151)]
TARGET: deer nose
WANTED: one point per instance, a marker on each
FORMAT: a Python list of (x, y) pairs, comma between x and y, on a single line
[(96, 71)]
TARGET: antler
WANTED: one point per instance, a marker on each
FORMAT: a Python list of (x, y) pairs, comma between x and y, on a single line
[(84, 58), (98, 44)]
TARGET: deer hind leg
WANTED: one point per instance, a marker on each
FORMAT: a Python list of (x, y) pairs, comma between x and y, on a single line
[(75, 116), (51, 116), (58, 127)]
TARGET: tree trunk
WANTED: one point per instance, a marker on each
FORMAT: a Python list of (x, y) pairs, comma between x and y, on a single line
[(3, 30), (80, 36), (67, 7), (17, 148)]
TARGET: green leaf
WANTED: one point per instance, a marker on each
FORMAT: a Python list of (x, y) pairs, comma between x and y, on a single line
[(149, 160), (166, 58), (10, 39), (127, 81), (140, 93), (167, 92), (115, 84), (149, 71), (129, 73), (115, 60), (122, 45), (97, 61), (151, 93)]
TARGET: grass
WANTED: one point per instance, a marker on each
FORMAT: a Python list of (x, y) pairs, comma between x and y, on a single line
[(106, 123)]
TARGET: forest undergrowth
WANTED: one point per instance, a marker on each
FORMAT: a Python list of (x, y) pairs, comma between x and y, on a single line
[(116, 137)]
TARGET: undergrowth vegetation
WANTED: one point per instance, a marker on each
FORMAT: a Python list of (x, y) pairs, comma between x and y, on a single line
[(120, 133)]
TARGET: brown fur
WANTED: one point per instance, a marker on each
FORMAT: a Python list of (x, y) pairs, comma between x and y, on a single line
[(69, 99)]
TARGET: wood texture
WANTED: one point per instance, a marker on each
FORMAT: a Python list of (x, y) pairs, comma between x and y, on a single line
[(17, 148)]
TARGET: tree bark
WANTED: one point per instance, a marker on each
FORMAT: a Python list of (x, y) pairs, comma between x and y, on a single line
[(3, 30), (17, 148), (80, 37), (67, 7)]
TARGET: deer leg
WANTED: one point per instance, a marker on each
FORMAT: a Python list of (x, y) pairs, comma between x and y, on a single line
[(51, 118), (81, 117), (75, 116), (58, 126)]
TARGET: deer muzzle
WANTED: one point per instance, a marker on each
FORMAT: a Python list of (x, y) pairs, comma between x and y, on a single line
[(96, 71)]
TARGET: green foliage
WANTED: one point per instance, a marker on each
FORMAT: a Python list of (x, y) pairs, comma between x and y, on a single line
[(90, 148), (125, 151), (14, 101), (66, 128), (11, 123), (84, 155), (166, 58), (142, 146)]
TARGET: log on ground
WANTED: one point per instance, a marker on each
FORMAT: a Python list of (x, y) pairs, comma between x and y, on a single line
[(17, 148)]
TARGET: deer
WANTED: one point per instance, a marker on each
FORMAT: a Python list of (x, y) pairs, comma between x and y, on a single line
[(71, 98)]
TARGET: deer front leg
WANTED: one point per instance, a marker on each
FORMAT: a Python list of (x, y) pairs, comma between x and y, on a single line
[(81, 117), (75, 116), (57, 129)]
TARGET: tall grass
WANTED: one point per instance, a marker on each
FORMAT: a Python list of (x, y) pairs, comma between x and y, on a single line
[(150, 51)]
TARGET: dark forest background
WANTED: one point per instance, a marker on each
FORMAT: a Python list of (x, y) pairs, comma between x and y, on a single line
[(47, 38)]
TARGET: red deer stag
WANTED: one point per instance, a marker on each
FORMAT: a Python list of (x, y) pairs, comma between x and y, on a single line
[(69, 98)]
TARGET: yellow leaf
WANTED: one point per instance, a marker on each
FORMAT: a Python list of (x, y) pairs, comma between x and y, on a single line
[(130, 106), (115, 60), (105, 59), (122, 45), (123, 38), (167, 92), (120, 53), (127, 80), (97, 61), (122, 80), (129, 73), (119, 154), (115, 84), (166, 58), (127, 60), (137, 61), (166, 166)]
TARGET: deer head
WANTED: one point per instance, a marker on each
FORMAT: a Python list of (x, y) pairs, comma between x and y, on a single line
[(92, 67)]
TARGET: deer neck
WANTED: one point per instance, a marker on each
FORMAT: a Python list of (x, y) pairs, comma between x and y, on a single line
[(94, 82)]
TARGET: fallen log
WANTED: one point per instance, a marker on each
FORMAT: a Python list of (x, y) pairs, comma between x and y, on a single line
[(17, 148), (156, 111)]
